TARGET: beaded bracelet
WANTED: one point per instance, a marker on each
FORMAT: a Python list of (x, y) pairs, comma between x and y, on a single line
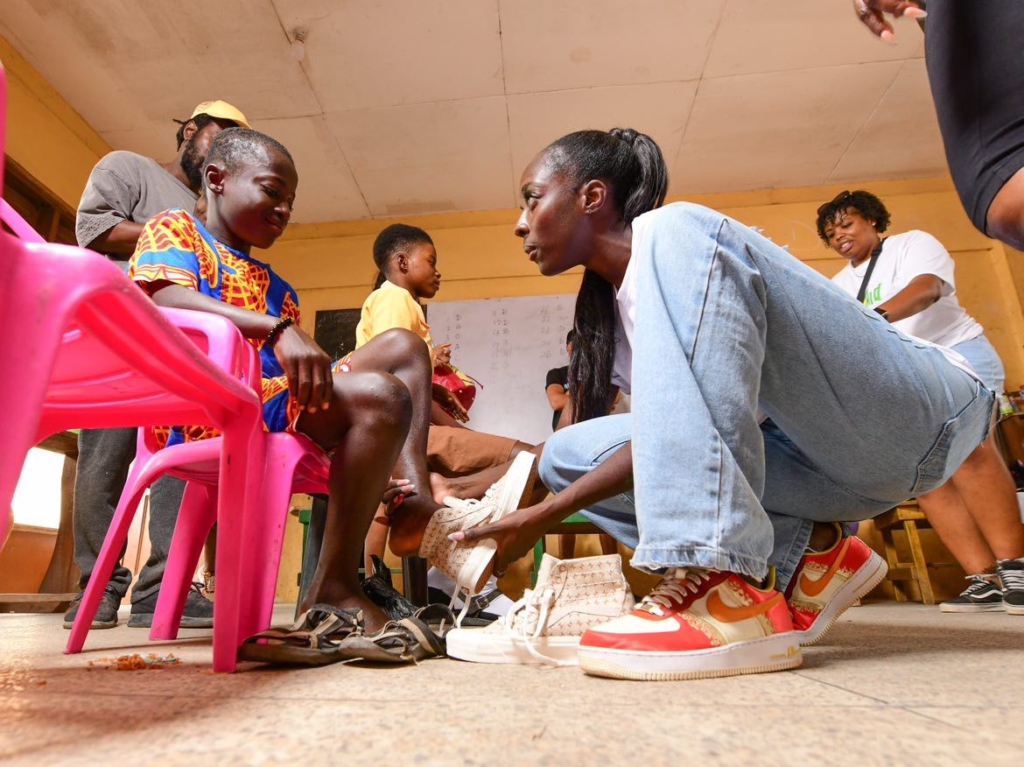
[(276, 331)]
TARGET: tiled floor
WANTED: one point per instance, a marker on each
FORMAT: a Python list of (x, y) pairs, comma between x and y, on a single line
[(890, 685)]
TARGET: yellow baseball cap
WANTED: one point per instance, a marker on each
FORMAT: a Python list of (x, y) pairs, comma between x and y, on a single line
[(222, 110)]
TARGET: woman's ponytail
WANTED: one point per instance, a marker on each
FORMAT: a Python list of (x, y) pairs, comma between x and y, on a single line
[(652, 185), (593, 351)]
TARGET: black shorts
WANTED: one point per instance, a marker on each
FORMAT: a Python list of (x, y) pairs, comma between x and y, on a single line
[(975, 55)]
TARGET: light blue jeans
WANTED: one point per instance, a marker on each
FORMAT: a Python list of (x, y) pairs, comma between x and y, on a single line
[(984, 361), (862, 416)]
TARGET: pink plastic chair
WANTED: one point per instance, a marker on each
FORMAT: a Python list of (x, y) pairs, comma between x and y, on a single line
[(84, 347), (6, 513), (294, 464)]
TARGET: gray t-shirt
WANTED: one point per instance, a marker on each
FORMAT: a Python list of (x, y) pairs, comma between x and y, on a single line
[(125, 186)]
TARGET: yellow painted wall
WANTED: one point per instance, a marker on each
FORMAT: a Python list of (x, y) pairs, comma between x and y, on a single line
[(45, 136), (332, 268)]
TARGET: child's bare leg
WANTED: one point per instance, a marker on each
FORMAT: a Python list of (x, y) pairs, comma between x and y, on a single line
[(376, 539), (405, 356), (475, 485), (366, 426)]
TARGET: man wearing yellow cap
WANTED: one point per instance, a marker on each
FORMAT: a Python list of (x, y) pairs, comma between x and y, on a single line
[(124, 191)]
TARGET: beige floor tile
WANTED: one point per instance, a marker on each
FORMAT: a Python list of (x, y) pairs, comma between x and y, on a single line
[(891, 685), (912, 655)]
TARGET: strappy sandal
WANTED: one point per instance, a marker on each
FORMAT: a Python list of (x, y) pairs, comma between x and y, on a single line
[(313, 640), (409, 640)]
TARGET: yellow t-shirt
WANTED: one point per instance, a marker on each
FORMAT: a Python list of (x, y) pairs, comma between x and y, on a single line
[(391, 307)]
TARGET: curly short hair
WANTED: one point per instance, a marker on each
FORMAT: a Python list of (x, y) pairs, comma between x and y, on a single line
[(865, 203), (234, 147), (391, 240)]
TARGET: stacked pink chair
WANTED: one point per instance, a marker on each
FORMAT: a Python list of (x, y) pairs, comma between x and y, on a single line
[(293, 464), (85, 348)]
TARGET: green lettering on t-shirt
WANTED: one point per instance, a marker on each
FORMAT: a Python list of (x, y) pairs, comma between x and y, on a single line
[(873, 296)]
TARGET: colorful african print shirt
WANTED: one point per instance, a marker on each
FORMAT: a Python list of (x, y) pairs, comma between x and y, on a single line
[(174, 247)]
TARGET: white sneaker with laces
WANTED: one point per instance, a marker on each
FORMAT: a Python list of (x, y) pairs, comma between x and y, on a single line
[(466, 563), (545, 626)]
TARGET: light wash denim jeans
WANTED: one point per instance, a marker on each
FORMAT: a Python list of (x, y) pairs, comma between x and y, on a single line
[(862, 416), (984, 361)]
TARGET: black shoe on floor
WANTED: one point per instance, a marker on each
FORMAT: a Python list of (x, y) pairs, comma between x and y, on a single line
[(379, 589), (198, 612), (106, 613), (1011, 575), (982, 596)]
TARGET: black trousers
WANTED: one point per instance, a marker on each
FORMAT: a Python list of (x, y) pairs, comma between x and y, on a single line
[(104, 457)]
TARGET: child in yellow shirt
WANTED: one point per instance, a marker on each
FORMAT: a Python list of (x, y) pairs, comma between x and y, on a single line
[(407, 262)]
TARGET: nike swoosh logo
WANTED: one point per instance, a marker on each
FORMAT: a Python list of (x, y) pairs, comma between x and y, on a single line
[(814, 588), (720, 611)]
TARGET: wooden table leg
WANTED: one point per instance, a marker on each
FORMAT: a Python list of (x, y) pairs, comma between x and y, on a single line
[(924, 580)]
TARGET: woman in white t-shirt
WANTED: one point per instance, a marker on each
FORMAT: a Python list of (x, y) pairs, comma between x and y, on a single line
[(908, 279)]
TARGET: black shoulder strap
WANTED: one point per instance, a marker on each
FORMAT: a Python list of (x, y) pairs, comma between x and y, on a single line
[(871, 267)]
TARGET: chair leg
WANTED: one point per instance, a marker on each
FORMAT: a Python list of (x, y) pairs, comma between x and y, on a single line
[(22, 394), (195, 518), (240, 485), (893, 560), (414, 579), (566, 545), (608, 544), (539, 549), (110, 554), (266, 537), (924, 579)]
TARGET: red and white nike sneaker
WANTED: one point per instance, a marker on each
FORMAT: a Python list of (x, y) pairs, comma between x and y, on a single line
[(695, 624), (826, 583)]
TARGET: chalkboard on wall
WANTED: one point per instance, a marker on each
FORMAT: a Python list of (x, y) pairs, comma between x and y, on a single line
[(508, 344), (335, 331)]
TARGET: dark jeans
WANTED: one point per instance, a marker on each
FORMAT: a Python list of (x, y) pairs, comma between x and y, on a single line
[(104, 457)]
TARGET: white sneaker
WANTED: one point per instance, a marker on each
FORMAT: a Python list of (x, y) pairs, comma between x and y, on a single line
[(466, 563), (545, 626)]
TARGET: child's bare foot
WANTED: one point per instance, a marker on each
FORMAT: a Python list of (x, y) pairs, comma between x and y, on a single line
[(373, 617), (408, 523)]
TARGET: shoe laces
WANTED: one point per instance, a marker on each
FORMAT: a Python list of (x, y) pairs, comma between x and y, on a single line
[(678, 585), (517, 620), (1011, 578), (466, 596), (979, 583)]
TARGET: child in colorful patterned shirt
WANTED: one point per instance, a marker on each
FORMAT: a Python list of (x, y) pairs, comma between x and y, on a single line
[(370, 410)]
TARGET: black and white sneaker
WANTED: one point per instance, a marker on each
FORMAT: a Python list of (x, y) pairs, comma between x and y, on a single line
[(489, 605), (982, 596), (1011, 575)]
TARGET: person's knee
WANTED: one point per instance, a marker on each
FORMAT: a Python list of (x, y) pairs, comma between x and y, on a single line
[(382, 398), (559, 463), (405, 345)]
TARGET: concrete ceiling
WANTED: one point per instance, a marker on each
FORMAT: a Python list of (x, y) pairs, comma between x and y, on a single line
[(422, 106)]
